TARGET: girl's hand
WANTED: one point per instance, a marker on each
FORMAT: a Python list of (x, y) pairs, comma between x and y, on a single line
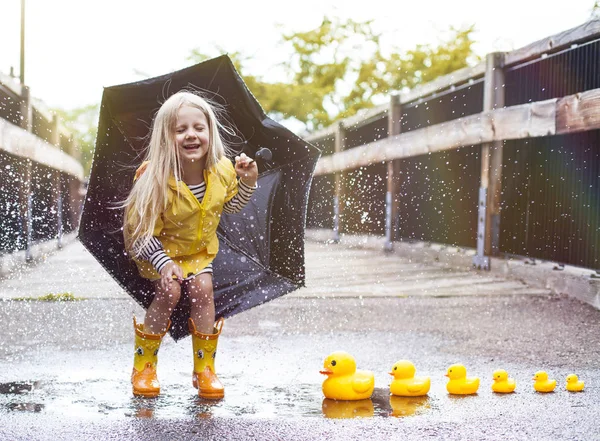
[(166, 275), (246, 169)]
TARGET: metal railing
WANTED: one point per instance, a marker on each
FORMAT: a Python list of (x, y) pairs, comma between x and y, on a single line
[(40, 176), (503, 157)]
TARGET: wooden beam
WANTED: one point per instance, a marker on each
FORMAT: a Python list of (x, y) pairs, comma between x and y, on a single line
[(19, 142), (579, 112), (444, 82), (11, 84), (585, 32), (455, 78), (517, 122), (366, 116)]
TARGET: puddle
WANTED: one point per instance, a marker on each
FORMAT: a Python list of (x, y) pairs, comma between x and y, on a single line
[(25, 407), (18, 387)]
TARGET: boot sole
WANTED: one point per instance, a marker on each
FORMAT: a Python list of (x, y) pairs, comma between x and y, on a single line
[(211, 396), (146, 394)]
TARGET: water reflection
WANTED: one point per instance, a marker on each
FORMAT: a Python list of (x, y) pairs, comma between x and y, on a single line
[(347, 409), (408, 406), (26, 407), (143, 407)]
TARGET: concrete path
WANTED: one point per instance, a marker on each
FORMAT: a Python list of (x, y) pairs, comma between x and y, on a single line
[(64, 366)]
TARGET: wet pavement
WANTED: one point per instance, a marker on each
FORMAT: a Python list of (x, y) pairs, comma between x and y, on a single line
[(64, 366)]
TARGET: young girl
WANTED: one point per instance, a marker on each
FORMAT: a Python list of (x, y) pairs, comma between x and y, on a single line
[(171, 219)]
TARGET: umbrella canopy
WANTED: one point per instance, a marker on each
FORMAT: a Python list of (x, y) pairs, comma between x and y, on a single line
[(261, 254)]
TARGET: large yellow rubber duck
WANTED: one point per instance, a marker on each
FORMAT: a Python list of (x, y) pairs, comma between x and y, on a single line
[(344, 381), (502, 384), (574, 384), (542, 384), (459, 384), (405, 384)]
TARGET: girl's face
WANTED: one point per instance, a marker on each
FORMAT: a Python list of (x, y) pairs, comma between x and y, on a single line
[(191, 134)]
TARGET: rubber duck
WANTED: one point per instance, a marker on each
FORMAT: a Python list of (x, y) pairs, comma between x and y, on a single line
[(347, 409), (502, 384), (344, 381), (459, 384), (542, 384), (408, 406), (574, 384), (405, 384)]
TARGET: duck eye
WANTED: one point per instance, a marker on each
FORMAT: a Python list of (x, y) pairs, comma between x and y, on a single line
[(333, 363), (200, 353), (396, 368), (139, 350)]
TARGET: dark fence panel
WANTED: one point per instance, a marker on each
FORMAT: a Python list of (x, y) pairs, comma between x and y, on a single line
[(326, 144), (363, 200), (364, 134), (41, 127), (438, 197), (10, 109), (452, 104), (320, 202), (564, 73), (11, 219), (44, 212), (551, 207)]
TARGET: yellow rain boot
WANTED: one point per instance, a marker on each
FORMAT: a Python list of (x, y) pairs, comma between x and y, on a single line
[(204, 377), (143, 377)]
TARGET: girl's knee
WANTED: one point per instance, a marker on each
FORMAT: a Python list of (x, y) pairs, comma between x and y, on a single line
[(171, 296), (201, 292)]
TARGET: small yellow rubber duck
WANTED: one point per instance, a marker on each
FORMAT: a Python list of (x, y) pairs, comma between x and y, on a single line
[(502, 384), (542, 384), (344, 381), (459, 384), (405, 384), (574, 384)]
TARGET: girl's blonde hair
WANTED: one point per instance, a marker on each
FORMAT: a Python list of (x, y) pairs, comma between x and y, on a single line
[(149, 195)]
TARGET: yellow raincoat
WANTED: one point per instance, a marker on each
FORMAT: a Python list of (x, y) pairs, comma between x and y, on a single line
[(187, 228)]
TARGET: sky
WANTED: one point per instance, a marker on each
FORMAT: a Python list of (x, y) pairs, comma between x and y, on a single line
[(75, 48)]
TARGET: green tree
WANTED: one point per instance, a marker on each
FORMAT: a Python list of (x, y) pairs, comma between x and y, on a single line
[(82, 122), (338, 68)]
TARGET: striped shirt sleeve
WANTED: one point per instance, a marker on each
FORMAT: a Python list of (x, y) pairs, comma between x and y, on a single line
[(239, 201), (155, 254)]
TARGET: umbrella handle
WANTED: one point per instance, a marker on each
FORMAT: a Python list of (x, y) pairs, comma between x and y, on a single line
[(265, 154)]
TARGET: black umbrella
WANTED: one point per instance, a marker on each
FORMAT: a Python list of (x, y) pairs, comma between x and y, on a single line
[(261, 254)]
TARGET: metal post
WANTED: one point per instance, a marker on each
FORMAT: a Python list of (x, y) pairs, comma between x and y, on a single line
[(26, 122), (340, 135), (488, 221), (22, 66), (391, 208)]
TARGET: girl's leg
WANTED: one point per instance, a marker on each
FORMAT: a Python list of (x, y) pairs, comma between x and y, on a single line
[(202, 302), (205, 336), (159, 311)]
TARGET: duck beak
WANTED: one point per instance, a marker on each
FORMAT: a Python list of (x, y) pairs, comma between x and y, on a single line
[(446, 375), (391, 373), (326, 372)]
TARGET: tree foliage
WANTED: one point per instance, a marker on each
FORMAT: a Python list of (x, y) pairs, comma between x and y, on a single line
[(339, 67), (332, 72), (82, 122)]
